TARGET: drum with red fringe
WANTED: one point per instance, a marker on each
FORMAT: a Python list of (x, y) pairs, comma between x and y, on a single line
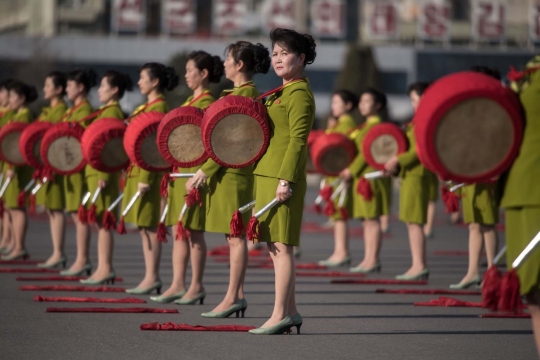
[(140, 142), (10, 135), (235, 131), (468, 127), (179, 137), (61, 148), (382, 142), (30, 143), (332, 153), (103, 145), (313, 135)]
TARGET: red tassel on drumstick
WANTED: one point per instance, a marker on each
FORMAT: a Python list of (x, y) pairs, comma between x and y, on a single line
[(324, 194), (109, 220), (341, 203), (92, 216), (491, 283), (237, 224), (46, 175), (164, 185), (181, 232), (330, 208), (81, 212), (122, 226), (2, 192), (450, 198), (162, 229), (253, 231), (21, 198)]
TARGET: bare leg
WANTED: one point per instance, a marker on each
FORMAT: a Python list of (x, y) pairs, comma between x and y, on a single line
[(19, 223), (7, 240), (152, 256), (428, 227), (341, 241), (58, 233), (476, 243), (385, 223), (454, 217), (83, 244), (372, 243), (417, 243), (491, 242), (105, 254), (198, 262), (282, 256), (180, 259)]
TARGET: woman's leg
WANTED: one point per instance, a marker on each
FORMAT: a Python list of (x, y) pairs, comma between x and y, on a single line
[(7, 234), (19, 223), (152, 256), (417, 243), (198, 263), (341, 241), (428, 227), (83, 244), (105, 244), (385, 223), (180, 259), (491, 242), (476, 243), (372, 243), (57, 223)]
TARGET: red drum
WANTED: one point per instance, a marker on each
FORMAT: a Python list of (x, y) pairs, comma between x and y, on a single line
[(468, 127), (61, 148), (179, 137), (382, 142), (235, 131), (9, 143), (313, 135), (140, 142), (103, 145), (30, 143), (332, 153)]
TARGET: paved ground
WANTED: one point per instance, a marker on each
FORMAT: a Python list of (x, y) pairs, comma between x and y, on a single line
[(340, 321)]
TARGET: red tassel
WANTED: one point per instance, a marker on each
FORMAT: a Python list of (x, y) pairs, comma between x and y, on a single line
[(510, 299), (326, 192), (162, 233), (364, 188), (491, 288), (21, 199), (181, 232), (344, 213), (317, 208), (237, 224), (121, 227), (91, 216), (1, 208), (109, 221), (450, 199), (253, 231), (82, 214), (329, 208), (164, 185), (194, 198), (36, 175), (32, 204), (123, 180)]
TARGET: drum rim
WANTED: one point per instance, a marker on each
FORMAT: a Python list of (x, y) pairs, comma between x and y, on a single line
[(378, 130), (26, 142), (15, 126), (334, 138), (110, 128), (68, 128)]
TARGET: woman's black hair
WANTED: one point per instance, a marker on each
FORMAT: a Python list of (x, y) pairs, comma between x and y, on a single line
[(255, 57), (378, 98), (86, 77), (29, 92), (295, 42), (348, 97), (418, 87), (212, 64), (494, 73), (119, 80), (58, 79), (6, 84), (168, 79)]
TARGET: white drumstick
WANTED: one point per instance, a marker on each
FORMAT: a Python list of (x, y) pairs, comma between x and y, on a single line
[(247, 207), (526, 252), (181, 176), (268, 206), (86, 197), (374, 175), (131, 203), (455, 187), (29, 185), (4, 187), (96, 194), (342, 197), (164, 214), (499, 256), (184, 208), (319, 198), (116, 202)]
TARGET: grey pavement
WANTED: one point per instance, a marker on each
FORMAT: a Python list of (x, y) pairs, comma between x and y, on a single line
[(341, 321)]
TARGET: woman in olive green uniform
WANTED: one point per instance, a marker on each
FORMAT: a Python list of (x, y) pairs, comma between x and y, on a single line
[(154, 79), (20, 95), (413, 194), (79, 83), (291, 112), (5, 113), (112, 87), (343, 103), (372, 103), (201, 69), (52, 192), (521, 199)]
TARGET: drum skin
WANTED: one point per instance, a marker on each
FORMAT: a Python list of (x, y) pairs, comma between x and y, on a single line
[(235, 131), (332, 153), (140, 142), (179, 137), (103, 146), (61, 148), (468, 127), (9, 143), (313, 135), (382, 142), (30, 143)]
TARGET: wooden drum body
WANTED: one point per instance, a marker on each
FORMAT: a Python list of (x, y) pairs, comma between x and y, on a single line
[(382, 142), (103, 145), (235, 131), (30, 143), (332, 153), (61, 148)]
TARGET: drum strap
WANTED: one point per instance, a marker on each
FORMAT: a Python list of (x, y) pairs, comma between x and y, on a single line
[(95, 114), (143, 108), (72, 110), (268, 93), (202, 95)]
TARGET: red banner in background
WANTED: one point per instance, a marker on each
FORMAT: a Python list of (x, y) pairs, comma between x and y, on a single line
[(278, 14), (381, 19), (433, 20), (178, 16), (488, 20), (229, 16), (328, 18), (128, 15)]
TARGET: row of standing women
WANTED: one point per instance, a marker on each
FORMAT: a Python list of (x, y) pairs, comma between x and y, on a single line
[(279, 173)]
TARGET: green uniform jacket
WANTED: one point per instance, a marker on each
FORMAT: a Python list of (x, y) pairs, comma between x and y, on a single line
[(145, 212), (52, 193), (194, 218)]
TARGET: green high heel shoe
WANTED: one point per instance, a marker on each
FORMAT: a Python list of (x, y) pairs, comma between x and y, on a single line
[(328, 263), (109, 279), (4, 250), (361, 270), (283, 326), (86, 269), (422, 275), (239, 307), (168, 299), (62, 261), (465, 285), (22, 255), (156, 286), (297, 321), (200, 297)]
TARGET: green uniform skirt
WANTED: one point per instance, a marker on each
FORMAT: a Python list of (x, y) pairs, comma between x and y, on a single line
[(433, 187), (145, 212), (107, 195), (23, 175), (74, 190), (522, 225), (373, 208), (387, 195), (347, 204), (414, 199), (479, 203), (195, 216), (283, 223), (54, 194), (227, 192)]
